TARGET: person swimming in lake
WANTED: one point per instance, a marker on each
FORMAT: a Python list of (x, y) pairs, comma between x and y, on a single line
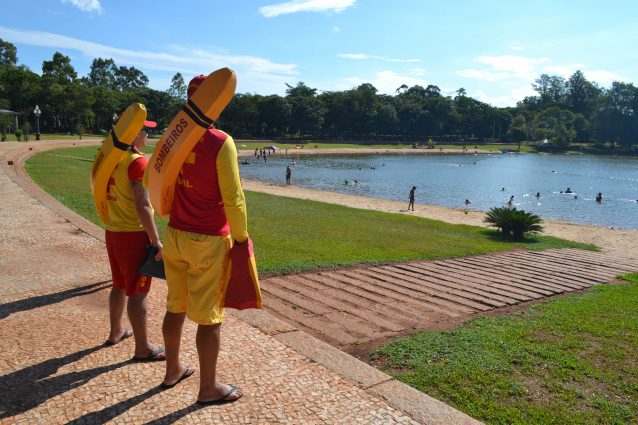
[(468, 202), (599, 198), (568, 190), (538, 195), (511, 201)]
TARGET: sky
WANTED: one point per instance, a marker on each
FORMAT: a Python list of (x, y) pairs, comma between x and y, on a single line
[(494, 49)]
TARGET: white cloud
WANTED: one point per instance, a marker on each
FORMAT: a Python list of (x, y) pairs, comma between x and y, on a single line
[(519, 66), (296, 6), (604, 77), (478, 74), (188, 60), (417, 72), (517, 47), (362, 56), (355, 56), (505, 67), (387, 82), (564, 71), (600, 76), (336, 29), (86, 5), (513, 95)]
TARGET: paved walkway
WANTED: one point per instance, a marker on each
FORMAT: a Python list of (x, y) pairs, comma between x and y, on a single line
[(366, 304), (54, 284)]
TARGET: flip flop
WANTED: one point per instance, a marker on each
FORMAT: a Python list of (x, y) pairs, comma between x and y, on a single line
[(188, 372), (127, 334), (222, 399), (152, 357)]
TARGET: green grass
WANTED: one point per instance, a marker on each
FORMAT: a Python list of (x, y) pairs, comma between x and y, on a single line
[(12, 138), (569, 361), (293, 235)]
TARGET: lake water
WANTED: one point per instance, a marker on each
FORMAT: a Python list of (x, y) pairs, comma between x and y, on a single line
[(448, 180)]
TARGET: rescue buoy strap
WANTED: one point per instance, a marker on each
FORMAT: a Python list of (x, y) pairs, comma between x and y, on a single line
[(194, 117), (202, 116), (116, 142)]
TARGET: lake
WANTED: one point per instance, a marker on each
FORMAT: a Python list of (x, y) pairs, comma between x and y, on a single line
[(448, 180)]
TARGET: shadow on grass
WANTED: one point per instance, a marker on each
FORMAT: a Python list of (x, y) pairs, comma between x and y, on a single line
[(497, 236), (29, 387), (40, 301)]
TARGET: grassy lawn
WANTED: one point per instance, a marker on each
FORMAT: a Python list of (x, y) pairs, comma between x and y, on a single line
[(293, 235), (12, 138), (568, 361)]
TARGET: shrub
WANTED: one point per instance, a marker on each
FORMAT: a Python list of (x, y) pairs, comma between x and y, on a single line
[(513, 222), (18, 134)]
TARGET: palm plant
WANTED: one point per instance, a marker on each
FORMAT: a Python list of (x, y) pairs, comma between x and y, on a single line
[(513, 222)]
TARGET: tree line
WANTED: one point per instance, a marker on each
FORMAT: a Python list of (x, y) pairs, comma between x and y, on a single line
[(563, 111)]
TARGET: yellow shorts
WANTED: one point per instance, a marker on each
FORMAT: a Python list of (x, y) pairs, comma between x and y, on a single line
[(197, 274)]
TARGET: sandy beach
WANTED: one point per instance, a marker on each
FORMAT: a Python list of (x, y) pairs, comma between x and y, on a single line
[(623, 243), (346, 151)]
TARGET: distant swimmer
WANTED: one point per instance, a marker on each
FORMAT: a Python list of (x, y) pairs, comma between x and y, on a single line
[(599, 197), (538, 195), (467, 202), (502, 189), (568, 190), (511, 201)]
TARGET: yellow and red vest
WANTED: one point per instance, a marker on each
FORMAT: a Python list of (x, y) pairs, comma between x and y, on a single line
[(121, 214)]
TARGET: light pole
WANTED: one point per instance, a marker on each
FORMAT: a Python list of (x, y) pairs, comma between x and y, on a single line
[(37, 112)]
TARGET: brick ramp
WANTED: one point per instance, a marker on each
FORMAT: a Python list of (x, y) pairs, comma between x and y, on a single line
[(365, 304)]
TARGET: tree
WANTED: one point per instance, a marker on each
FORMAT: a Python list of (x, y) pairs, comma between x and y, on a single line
[(8, 53), (178, 87), (552, 89), (306, 110), (58, 70), (386, 119), (582, 94), (274, 111), (130, 78), (618, 117), (517, 131), (555, 125), (432, 91), (103, 73)]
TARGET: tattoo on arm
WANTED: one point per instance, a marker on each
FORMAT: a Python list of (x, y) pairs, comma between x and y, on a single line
[(139, 190)]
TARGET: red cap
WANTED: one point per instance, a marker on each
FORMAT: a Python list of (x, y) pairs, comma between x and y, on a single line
[(194, 84), (150, 124)]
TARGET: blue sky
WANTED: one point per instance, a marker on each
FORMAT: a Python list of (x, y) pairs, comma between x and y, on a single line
[(494, 49)]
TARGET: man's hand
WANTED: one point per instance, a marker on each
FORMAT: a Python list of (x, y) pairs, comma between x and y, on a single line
[(159, 256)]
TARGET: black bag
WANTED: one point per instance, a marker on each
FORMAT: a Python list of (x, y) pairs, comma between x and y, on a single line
[(150, 267)]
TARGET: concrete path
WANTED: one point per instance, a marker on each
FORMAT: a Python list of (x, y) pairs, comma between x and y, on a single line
[(54, 282), (366, 304)]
